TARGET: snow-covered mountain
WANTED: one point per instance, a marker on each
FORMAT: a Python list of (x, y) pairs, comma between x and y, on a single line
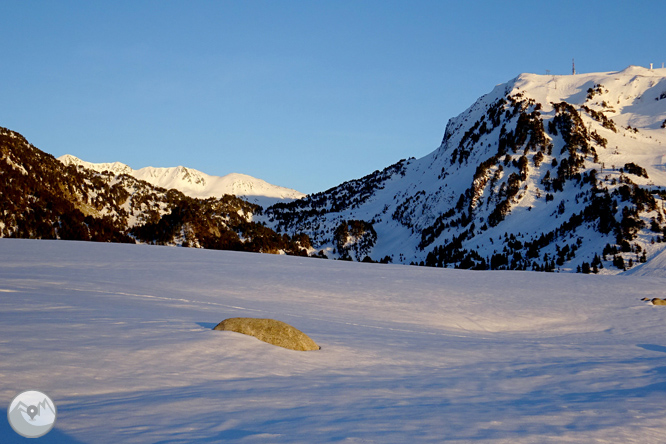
[(196, 184), (43, 198), (544, 172)]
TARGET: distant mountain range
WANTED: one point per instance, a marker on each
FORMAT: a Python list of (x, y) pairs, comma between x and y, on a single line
[(196, 184), (548, 173)]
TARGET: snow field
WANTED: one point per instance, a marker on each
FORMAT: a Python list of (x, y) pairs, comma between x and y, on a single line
[(119, 336)]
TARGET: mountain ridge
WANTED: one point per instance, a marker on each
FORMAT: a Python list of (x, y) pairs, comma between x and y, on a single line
[(43, 198), (197, 184), (580, 156)]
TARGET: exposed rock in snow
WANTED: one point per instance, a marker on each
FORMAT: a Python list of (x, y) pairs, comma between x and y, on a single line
[(270, 331)]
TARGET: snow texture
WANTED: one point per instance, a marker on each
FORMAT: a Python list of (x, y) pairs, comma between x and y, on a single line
[(120, 337)]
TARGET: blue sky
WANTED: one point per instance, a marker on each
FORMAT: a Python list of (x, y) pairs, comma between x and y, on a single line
[(304, 94)]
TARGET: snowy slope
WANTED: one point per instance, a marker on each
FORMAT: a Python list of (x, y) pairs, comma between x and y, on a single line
[(119, 336), (655, 267), (43, 198), (196, 184), (498, 189)]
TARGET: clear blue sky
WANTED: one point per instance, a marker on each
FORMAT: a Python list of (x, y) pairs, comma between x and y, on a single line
[(304, 94)]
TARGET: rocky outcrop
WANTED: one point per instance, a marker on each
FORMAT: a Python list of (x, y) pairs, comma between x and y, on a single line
[(270, 331)]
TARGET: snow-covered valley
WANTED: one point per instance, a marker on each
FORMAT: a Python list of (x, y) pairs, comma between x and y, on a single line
[(119, 336)]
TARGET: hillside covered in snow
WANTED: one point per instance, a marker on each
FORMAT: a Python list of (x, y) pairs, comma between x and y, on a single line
[(543, 173), (42, 198), (120, 337), (196, 184)]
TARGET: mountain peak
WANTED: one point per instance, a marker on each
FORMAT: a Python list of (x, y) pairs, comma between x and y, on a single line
[(113, 167), (641, 70), (545, 172), (197, 184)]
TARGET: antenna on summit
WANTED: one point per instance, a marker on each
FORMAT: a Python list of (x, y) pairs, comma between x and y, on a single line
[(573, 67)]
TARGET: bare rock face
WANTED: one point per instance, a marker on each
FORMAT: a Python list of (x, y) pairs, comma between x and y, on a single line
[(270, 331)]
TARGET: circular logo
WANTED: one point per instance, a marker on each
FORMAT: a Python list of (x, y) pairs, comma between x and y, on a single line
[(32, 414)]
